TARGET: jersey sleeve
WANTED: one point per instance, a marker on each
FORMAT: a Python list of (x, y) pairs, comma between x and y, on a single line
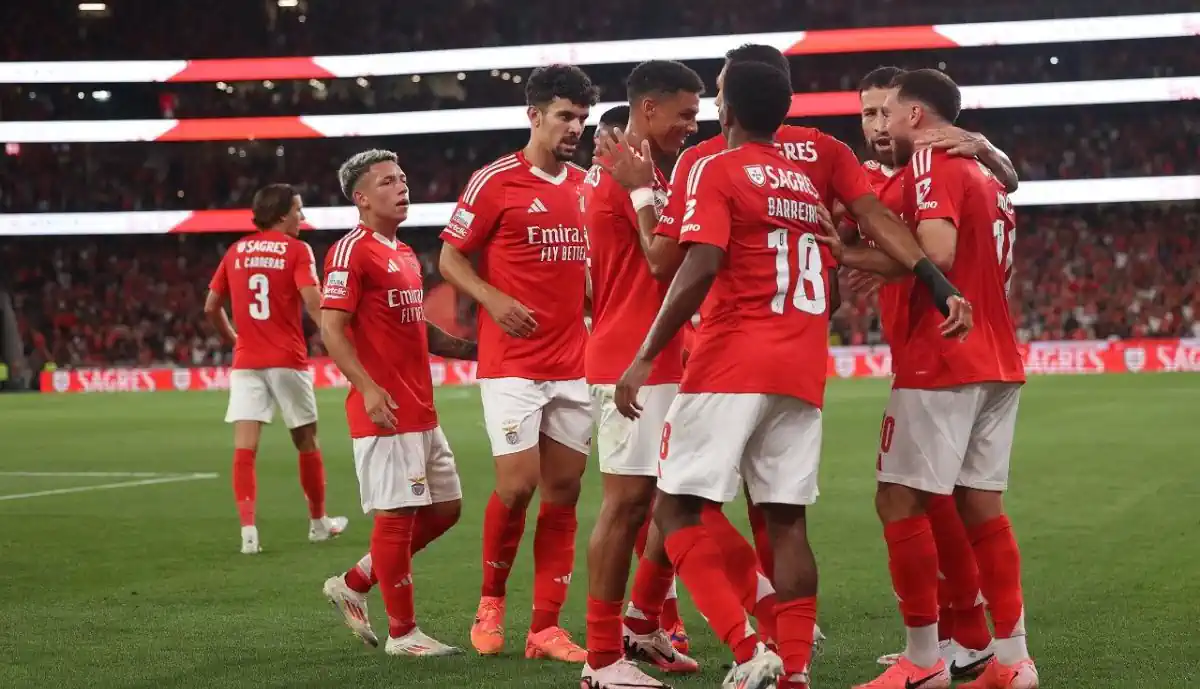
[(220, 279), (478, 211), (937, 186), (343, 283), (849, 181), (707, 216), (304, 272), (672, 217)]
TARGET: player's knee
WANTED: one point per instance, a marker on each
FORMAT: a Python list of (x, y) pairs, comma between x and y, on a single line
[(561, 490), (675, 512), (894, 502), (978, 506), (304, 438), (448, 513), (627, 509)]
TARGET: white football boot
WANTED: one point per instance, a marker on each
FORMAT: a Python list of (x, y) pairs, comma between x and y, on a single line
[(760, 672), (656, 649), (250, 544), (623, 674), (352, 606), (419, 644), (326, 528)]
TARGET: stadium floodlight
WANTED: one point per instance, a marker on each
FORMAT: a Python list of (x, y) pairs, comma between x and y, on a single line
[(93, 7), (289, 3)]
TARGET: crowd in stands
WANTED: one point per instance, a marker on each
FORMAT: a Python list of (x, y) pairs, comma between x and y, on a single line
[(1091, 272)]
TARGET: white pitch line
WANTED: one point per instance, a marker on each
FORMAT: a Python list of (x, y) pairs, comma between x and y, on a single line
[(90, 474), (108, 486)]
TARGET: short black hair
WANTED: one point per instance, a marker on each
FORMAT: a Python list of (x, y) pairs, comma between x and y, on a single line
[(879, 78), (560, 81), (757, 52), (933, 88), (271, 204), (758, 96), (615, 116), (662, 76)]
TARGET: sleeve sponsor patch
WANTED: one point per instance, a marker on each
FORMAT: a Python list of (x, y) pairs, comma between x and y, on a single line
[(335, 285), (460, 223)]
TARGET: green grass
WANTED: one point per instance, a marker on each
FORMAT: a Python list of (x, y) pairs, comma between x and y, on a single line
[(144, 587)]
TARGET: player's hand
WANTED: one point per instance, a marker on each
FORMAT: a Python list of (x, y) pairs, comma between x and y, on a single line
[(960, 321), (829, 235), (379, 406), (632, 167), (955, 141), (862, 282), (627, 388), (511, 315)]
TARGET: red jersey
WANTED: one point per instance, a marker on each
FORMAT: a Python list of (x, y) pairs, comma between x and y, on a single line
[(378, 282), (625, 296), (892, 297), (829, 164), (765, 324), (962, 191), (528, 228), (263, 274)]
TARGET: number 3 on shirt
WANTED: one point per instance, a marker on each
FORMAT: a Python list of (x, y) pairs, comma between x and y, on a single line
[(812, 277), (260, 308)]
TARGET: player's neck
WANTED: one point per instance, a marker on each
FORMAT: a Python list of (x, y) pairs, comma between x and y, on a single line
[(634, 133), (384, 228), (543, 159), (736, 137)]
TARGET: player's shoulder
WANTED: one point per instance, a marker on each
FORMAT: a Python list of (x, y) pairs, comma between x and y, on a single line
[(348, 250), (926, 160), (491, 176), (709, 146), (794, 133)]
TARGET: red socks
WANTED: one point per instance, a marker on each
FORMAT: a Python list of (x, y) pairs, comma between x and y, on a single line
[(604, 643), (245, 488), (701, 566), (762, 541), (553, 561), (391, 558), (502, 531), (912, 559), (797, 620), (1000, 574), (361, 577), (650, 585), (741, 567), (964, 617), (312, 480)]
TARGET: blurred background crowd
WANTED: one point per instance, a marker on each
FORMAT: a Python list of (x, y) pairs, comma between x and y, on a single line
[(1082, 271)]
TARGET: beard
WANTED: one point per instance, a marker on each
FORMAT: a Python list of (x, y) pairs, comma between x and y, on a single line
[(902, 151)]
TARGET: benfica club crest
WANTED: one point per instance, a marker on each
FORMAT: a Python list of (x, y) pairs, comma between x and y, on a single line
[(1135, 359), (756, 174), (61, 380), (844, 365), (182, 378)]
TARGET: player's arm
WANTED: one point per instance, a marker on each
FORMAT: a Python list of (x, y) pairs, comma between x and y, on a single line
[(214, 305), (343, 287), (442, 343), (304, 275), (312, 303), (835, 291), (965, 144), (473, 222)]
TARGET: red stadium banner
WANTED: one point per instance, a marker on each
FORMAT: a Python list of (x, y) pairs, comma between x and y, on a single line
[(1049, 358)]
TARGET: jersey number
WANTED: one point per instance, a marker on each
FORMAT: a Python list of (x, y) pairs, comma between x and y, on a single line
[(1004, 254), (260, 287), (812, 277)]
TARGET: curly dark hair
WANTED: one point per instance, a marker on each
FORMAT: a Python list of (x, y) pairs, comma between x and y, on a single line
[(560, 81)]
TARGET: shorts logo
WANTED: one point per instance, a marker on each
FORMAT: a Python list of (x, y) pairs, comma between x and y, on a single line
[(336, 284), (510, 429), (181, 378), (1135, 359), (418, 486), (756, 175)]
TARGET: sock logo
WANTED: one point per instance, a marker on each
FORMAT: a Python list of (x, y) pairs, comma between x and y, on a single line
[(565, 581), (497, 565)]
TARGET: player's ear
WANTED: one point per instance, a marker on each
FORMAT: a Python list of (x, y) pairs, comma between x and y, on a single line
[(535, 115)]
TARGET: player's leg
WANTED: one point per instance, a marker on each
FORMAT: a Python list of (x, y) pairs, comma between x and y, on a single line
[(705, 435), (653, 602), (565, 441), (922, 440), (963, 629), (250, 406), (512, 412), (762, 540), (980, 495), (293, 392), (780, 469), (742, 567)]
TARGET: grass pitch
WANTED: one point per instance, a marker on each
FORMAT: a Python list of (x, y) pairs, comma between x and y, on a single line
[(142, 585)]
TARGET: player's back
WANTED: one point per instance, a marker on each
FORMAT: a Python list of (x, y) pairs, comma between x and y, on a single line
[(528, 230), (764, 324), (964, 192), (625, 296), (263, 274)]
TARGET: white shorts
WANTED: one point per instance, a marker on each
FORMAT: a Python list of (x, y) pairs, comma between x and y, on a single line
[(628, 447), (517, 410), (713, 441), (406, 470), (932, 440), (254, 394)]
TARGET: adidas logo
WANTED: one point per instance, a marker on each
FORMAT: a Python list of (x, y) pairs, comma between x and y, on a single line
[(392, 268), (537, 206)]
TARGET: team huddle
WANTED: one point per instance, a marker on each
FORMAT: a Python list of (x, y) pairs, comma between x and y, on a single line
[(703, 374)]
